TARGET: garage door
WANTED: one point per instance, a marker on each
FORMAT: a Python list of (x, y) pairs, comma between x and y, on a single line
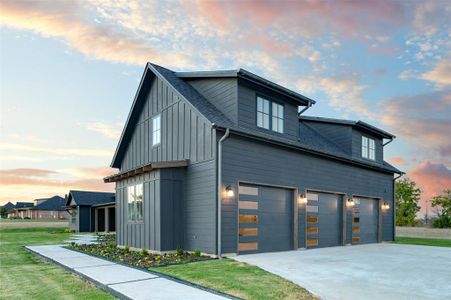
[(365, 221), (265, 219), (324, 220)]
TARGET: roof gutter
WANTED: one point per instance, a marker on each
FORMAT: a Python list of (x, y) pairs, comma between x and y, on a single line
[(219, 187)]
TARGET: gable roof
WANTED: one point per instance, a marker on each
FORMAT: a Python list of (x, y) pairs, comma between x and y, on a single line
[(184, 90), (8, 206), (357, 124), (249, 76), (54, 203), (89, 198), (23, 204)]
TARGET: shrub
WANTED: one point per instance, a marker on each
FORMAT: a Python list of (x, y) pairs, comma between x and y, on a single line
[(144, 252), (179, 251), (197, 253), (127, 249)]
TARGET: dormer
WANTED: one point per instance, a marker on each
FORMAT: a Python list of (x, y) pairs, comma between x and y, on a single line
[(250, 101), (357, 139)]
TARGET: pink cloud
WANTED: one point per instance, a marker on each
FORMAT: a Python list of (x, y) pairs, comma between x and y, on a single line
[(432, 178), (397, 160)]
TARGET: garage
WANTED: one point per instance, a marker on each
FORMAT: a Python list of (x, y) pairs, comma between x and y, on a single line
[(365, 221), (324, 220), (265, 219)]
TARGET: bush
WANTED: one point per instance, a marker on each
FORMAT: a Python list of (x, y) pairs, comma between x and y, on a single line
[(197, 253), (179, 251), (144, 252), (127, 249)]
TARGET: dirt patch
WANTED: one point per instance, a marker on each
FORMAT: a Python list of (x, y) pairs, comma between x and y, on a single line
[(32, 224), (423, 232)]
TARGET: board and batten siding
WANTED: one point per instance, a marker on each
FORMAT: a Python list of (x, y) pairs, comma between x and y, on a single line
[(247, 110), (184, 133), (257, 162), (161, 227), (221, 92)]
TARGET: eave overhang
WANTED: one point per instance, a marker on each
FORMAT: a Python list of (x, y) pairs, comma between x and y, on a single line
[(146, 168)]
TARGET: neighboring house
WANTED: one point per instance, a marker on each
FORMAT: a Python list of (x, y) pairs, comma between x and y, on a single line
[(49, 208), (91, 211), (22, 210), (9, 209), (283, 181)]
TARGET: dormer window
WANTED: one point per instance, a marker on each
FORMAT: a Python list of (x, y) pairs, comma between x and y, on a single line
[(368, 148), (270, 115)]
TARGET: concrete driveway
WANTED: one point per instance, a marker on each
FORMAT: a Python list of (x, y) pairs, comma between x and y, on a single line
[(373, 271)]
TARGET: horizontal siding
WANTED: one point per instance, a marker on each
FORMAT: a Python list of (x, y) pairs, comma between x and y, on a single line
[(184, 133), (247, 111), (341, 135), (246, 160), (221, 92)]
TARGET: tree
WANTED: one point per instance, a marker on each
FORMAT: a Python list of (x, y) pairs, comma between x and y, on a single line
[(3, 212), (407, 196), (443, 205)]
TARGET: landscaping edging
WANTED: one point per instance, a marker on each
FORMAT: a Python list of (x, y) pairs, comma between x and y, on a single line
[(119, 295)]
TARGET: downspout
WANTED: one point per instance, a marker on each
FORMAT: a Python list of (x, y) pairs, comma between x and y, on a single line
[(394, 204), (299, 115), (388, 142), (219, 168)]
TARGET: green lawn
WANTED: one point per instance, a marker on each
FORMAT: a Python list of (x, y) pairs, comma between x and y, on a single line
[(25, 276), (423, 241), (31, 220), (238, 279)]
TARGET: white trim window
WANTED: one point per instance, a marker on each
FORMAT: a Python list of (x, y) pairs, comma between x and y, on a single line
[(277, 117), (262, 113), (368, 148), (156, 130), (270, 115), (135, 203)]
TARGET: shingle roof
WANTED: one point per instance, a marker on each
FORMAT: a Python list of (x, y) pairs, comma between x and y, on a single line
[(54, 203), (23, 204), (89, 198), (357, 123), (8, 206), (207, 109)]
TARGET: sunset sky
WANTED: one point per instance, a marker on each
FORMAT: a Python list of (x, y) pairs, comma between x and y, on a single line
[(69, 71)]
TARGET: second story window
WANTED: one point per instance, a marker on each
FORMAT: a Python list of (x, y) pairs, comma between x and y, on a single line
[(270, 115), (368, 148), (156, 130)]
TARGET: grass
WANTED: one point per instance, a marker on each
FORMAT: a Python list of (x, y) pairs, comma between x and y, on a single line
[(423, 241), (25, 276), (238, 279), (31, 220)]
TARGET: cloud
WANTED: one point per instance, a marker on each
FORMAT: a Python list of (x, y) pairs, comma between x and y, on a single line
[(344, 94), (57, 151), (397, 160), (27, 184), (71, 21), (422, 119), (432, 178), (107, 130), (440, 74)]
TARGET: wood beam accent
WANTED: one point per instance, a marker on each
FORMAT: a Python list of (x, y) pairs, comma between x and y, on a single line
[(146, 168)]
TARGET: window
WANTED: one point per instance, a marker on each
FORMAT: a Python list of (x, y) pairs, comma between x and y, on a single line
[(156, 130), (135, 203), (368, 148), (277, 117), (262, 113), (269, 115)]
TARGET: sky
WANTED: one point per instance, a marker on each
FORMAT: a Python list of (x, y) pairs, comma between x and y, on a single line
[(69, 71)]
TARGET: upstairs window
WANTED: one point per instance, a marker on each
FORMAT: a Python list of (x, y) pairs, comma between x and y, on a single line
[(368, 148), (270, 115), (135, 203), (262, 113), (156, 130)]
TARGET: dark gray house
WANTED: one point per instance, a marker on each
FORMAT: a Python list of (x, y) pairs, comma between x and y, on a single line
[(225, 162), (91, 211)]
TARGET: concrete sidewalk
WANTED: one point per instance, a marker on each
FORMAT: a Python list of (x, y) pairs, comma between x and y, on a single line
[(122, 281)]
